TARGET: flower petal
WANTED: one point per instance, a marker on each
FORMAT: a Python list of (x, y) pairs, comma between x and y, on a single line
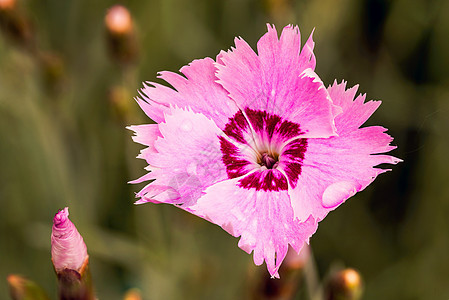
[(335, 168), (280, 80), (356, 112), (145, 135), (264, 220), (197, 90), (285, 51), (186, 161), (307, 57)]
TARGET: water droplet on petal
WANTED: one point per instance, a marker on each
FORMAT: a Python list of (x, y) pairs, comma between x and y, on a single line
[(186, 125), (192, 169), (337, 193)]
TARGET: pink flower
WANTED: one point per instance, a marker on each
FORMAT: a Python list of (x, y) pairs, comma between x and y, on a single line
[(256, 144), (68, 250)]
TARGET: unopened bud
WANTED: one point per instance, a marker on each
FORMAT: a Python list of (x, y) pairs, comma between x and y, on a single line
[(279, 9), (16, 25), (133, 294), (295, 260), (23, 289), (121, 36), (118, 20), (68, 250), (7, 4), (344, 285), (53, 71), (290, 277), (119, 100), (70, 259)]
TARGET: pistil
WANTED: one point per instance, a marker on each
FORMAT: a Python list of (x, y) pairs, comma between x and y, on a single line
[(269, 161)]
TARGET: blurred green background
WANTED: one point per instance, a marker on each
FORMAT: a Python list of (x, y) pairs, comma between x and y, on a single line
[(65, 102)]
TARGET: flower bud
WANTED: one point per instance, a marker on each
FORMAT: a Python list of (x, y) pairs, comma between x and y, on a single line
[(53, 71), (7, 4), (297, 261), (118, 97), (23, 289), (15, 25), (344, 285), (68, 250), (120, 35), (70, 259), (133, 294), (278, 9), (118, 20), (290, 277)]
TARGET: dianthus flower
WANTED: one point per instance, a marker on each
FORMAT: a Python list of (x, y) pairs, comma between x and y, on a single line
[(255, 143)]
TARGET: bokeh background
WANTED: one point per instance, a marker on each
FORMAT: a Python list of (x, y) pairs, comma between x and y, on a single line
[(65, 100)]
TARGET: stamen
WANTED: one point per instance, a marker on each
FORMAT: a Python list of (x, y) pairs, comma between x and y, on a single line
[(251, 148), (269, 161)]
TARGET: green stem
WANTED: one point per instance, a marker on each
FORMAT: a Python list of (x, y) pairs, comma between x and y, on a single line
[(314, 288)]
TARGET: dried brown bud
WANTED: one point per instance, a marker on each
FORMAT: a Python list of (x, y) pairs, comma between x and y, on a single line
[(120, 34), (15, 25), (294, 260), (133, 294), (53, 71), (118, 97), (23, 289), (344, 285), (290, 277)]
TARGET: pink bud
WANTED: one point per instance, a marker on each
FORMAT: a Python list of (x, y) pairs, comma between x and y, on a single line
[(68, 250), (118, 20), (7, 4)]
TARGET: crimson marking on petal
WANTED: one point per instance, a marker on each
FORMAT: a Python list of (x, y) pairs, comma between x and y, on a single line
[(289, 130), (235, 166), (272, 124), (235, 127), (274, 165), (267, 180), (294, 156)]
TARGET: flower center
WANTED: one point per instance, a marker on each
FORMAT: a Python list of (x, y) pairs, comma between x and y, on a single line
[(263, 150), (269, 161)]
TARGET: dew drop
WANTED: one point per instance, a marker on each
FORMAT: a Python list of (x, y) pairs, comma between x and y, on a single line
[(337, 193), (186, 125), (192, 169)]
